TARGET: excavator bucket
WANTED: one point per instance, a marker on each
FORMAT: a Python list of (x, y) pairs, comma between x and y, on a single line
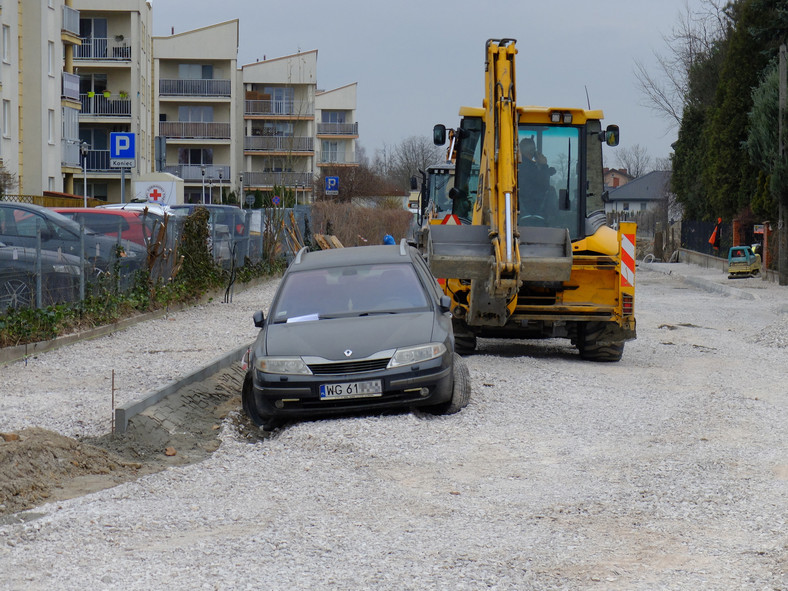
[(460, 252), (545, 254), (465, 252)]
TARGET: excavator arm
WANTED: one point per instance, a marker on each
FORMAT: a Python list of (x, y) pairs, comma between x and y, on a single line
[(487, 252)]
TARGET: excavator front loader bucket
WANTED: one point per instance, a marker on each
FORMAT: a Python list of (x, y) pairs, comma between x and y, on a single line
[(460, 252)]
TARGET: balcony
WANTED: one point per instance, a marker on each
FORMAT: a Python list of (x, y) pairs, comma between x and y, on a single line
[(338, 158), (101, 105), (199, 130), (192, 173), (102, 48), (70, 21), (280, 179), (70, 87), (98, 161), (69, 155), (286, 144), (175, 87), (277, 108), (337, 129)]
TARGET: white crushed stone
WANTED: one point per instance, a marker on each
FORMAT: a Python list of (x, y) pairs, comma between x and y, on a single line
[(667, 470)]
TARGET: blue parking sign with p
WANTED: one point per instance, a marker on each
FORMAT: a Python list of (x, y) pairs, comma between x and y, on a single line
[(332, 185), (122, 150), (122, 145)]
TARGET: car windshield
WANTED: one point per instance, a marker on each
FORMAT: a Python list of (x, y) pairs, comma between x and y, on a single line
[(357, 290)]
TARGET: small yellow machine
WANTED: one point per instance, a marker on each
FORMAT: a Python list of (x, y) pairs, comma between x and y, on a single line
[(743, 262)]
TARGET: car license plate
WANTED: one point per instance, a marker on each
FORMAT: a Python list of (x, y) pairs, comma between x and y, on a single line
[(351, 390)]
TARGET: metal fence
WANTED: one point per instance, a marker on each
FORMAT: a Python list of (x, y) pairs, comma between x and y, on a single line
[(38, 276)]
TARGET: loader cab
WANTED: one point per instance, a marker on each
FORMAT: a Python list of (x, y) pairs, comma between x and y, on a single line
[(560, 184)]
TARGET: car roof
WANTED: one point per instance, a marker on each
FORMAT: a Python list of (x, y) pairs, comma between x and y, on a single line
[(136, 206), (355, 255), (121, 212)]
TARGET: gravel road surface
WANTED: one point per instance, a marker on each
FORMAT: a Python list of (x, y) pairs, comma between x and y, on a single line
[(667, 470)]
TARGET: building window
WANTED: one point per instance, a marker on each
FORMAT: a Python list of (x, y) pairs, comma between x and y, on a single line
[(195, 113), (333, 117), (625, 206), (643, 206), (6, 118), (195, 72), (51, 57), (51, 122), (6, 43)]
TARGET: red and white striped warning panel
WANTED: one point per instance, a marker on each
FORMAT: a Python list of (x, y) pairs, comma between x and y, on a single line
[(627, 260)]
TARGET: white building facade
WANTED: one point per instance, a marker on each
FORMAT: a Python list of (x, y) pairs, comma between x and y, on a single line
[(88, 68)]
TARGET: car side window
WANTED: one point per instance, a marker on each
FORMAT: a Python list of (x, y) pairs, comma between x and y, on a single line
[(26, 223)]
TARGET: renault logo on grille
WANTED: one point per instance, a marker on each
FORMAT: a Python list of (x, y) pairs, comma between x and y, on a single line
[(348, 352)]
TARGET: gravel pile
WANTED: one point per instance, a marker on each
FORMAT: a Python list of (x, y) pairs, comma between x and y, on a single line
[(667, 470)]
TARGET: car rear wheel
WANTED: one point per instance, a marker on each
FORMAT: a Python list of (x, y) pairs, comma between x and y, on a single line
[(461, 390), (15, 293)]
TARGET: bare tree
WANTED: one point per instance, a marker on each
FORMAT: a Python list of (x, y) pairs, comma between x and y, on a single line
[(411, 155), (635, 159), (694, 37)]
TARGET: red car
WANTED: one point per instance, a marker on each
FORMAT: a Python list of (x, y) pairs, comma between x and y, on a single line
[(133, 225)]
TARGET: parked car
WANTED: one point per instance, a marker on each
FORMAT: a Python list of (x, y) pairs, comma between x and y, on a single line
[(59, 275), (134, 225), (227, 225), (19, 223), (354, 329)]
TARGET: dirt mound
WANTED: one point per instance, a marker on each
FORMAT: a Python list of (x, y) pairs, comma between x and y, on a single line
[(36, 462), (40, 466)]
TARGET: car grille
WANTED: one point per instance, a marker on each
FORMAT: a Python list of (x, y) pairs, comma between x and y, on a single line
[(343, 367)]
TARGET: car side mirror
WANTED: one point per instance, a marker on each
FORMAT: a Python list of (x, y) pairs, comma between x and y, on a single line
[(445, 303), (259, 319), (439, 134), (612, 135)]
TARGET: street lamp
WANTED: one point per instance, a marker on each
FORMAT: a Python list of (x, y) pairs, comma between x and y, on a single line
[(83, 150), (203, 185), (210, 189), (220, 186), (243, 197)]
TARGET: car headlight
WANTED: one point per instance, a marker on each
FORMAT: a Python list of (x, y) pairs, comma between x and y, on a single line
[(66, 269), (282, 365), (417, 354)]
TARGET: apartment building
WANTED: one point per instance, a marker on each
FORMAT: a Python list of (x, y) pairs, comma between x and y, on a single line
[(337, 127), (39, 136), (114, 65), (72, 72), (279, 123), (196, 82)]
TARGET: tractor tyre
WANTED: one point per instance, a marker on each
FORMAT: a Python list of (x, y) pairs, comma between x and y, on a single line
[(591, 349)]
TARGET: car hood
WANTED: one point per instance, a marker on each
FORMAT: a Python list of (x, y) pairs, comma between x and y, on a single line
[(364, 336)]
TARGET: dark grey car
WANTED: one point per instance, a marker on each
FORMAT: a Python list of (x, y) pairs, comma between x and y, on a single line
[(21, 273), (19, 223), (354, 329)]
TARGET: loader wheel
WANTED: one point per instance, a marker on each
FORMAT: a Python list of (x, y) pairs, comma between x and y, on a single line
[(461, 391), (465, 344), (591, 350)]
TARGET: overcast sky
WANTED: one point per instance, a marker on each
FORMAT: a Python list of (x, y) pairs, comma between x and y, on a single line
[(417, 61)]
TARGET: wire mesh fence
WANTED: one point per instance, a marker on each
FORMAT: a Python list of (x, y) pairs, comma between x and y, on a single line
[(61, 255)]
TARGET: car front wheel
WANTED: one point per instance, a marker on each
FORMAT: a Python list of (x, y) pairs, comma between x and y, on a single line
[(461, 390)]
